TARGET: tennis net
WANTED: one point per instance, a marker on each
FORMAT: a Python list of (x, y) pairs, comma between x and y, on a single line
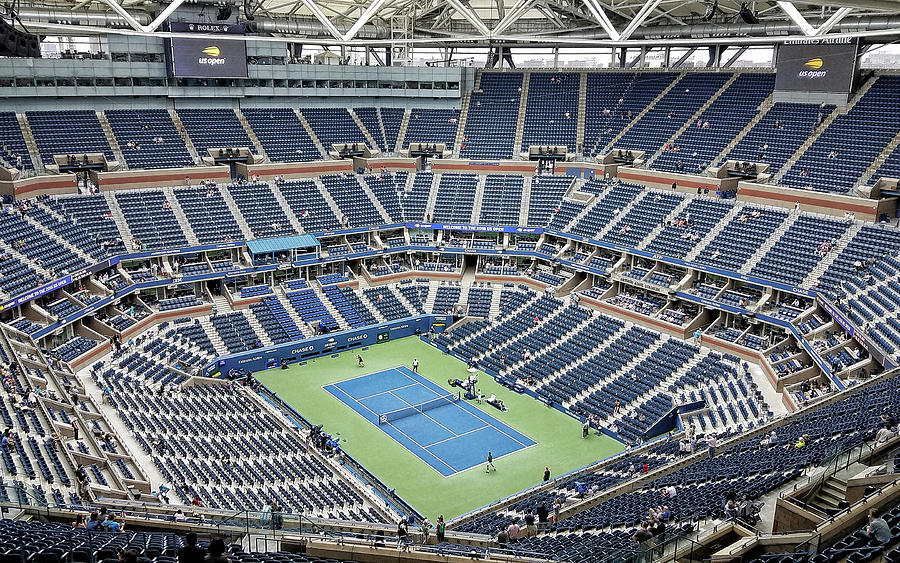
[(391, 416)]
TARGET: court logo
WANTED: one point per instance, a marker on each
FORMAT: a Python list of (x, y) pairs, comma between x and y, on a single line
[(213, 56), (813, 66)]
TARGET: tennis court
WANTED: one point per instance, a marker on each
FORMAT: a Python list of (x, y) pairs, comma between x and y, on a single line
[(449, 435)]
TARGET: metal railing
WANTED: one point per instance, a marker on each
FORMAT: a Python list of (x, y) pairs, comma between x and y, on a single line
[(835, 459)]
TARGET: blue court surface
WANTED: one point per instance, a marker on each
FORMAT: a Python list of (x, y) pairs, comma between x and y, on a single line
[(450, 438)]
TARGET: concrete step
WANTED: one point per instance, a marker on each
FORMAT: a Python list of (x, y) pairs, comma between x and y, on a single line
[(182, 131), (181, 217), (250, 133)]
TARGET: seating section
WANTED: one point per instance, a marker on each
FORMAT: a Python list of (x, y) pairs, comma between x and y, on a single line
[(371, 121), (890, 168), (502, 200), (872, 241), (208, 214), (281, 134), (799, 249), (387, 188), (432, 126), (333, 126), (415, 201), (73, 348), (456, 193), (151, 219), (837, 159), (645, 216), (551, 113), (260, 209), (224, 448), (741, 237), (346, 309), (275, 320), (214, 128), (614, 100), (490, 130), (605, 210), (43, 250), (779, 134), (386, 302), (235, 332), (52, 132), (446, 299), (148, 138), (733, 109), (352, 200), (12, 143), (311, 310), (92, 213), (686, 231), (309, 205), (546, 193), (664, 118), (391, 120)]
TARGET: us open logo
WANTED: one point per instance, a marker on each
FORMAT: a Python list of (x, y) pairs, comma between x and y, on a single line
[(813, 65), (213, 57)]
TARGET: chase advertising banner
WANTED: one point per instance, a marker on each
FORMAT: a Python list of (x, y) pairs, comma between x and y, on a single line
[(816, 65), (207, 57)]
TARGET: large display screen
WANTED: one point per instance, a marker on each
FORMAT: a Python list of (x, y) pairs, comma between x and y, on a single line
[(816, 65), (210, 56)]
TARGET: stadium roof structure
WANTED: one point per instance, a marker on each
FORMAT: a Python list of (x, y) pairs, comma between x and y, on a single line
[(449, 23)]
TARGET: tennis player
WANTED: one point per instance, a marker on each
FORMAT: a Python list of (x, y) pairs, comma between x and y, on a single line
[(490, 463)]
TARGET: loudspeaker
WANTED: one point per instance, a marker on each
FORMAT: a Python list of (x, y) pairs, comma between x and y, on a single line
[(748, 16), (15, 43), (224, 12), (710, 11)]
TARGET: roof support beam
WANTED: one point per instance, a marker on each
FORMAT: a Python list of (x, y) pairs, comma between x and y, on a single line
[(471, 16), (518, 10), (833, 20), (323, 19), (363, 19), (639, 18), (807, 28), (117, 8), (792, 12), (598, 12)]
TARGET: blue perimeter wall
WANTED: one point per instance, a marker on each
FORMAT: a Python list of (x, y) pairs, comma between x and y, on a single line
[(326, 344)]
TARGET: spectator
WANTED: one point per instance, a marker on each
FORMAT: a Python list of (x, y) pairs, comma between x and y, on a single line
[(512, 531), (93, 522), (878, 530), (216, 552), (884, 434), (542, 515), (642, 534), (128, 556), (191, 553), (111, 525)]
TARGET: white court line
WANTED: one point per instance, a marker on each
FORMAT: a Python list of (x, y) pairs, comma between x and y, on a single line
[(487, 422), (457, 436), (367, 374), (376, 425), (474, 414), (384, 392), (425, 414), (418, 379)]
